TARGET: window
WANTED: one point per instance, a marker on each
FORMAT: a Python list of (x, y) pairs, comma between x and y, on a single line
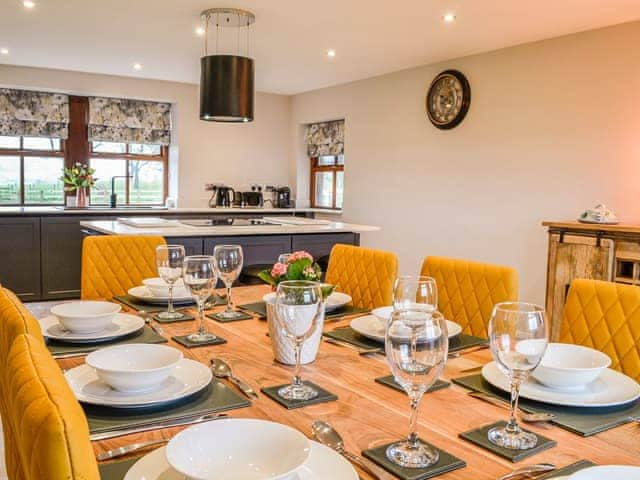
[(30, 169), (146, 164), (327, 181)]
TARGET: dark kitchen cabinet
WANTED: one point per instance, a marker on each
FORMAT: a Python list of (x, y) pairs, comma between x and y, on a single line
[(20, 256), (192, 245), (319, 245), (259, 249)]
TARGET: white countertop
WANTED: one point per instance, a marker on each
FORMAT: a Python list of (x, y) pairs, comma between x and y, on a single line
[(154, 211), (181, 230)]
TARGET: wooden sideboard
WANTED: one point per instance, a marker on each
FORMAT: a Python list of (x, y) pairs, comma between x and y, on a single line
[(580, 250)]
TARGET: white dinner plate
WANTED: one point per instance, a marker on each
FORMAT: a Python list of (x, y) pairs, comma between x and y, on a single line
[(610, 472), (337, 300), (373, 327), (188, 378), (610, 389), (122, 324), (323, 464), (144, 294)]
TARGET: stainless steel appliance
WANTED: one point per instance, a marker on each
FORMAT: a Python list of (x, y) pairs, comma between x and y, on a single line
[(283, 197), (254, 198), (222, 196)]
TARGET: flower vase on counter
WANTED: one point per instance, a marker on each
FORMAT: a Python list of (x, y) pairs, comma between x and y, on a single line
[(77, 179), (81, 197)]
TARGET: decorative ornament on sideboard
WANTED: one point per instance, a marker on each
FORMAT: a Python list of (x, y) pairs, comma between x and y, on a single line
[(78, 178), (227, 79), (448, 99)]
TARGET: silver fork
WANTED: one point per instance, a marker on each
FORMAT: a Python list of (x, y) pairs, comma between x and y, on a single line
[(528, 470), (125, 450)]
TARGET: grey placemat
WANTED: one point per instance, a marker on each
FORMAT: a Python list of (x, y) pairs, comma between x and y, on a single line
[(446, 463), (568, 470), (118, 469), (260, 309), (145, 335), (585, 421), (130, 301), (349, 335), (323, 396), (390, 382), (217, 397), (185, 342), (218, 317), (478, 436)]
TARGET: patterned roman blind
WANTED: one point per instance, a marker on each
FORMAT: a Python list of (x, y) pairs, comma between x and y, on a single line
[(129, 121), (326, 138), (34, 114)]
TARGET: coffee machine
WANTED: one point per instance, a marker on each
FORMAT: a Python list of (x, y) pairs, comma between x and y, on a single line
[(283, 197), (222, 196)]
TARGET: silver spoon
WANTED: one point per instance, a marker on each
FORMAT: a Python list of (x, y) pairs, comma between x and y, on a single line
[(526, 417), (328, 436), (146, 316), (222, 369), (529, 469)]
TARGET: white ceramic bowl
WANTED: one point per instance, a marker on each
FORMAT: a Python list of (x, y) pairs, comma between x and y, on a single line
[(136, 367), (86, 316), (160, 288), (610, 472), (238, 449), (570, 366)]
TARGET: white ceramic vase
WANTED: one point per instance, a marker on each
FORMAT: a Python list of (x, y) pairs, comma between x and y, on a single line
[(283, 350)]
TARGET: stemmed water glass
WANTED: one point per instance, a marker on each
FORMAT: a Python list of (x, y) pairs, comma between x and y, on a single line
[(200, 277), (283, 257), (518, 339), (170, 262), (416, 345), (228, 264), (298, 308), (410, 292)]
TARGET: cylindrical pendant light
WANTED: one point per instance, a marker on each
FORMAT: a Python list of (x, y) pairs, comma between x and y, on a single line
[(227, 81)]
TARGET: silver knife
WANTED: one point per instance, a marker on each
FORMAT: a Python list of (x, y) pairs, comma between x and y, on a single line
[(361, 351), (246, 389), (122, 451), (70, 355), (156, 426)]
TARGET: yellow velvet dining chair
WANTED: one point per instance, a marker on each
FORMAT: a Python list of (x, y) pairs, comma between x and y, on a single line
[(468, 290), (605, 316), (50, 429), (364, 273), (15, 320), (112, 264)]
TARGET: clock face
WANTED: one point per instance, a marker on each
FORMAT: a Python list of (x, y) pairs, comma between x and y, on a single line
[(448, 99)]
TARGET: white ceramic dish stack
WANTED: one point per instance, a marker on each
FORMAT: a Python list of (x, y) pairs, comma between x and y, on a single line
[(566, 366), (159, 288), (142, 293), (135, 367), (608, 472), (122, 324), (238, 449), (85, 316)]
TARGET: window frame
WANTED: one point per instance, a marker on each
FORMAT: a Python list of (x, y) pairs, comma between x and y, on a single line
[(163, 157), (22, 152), (316, 168)]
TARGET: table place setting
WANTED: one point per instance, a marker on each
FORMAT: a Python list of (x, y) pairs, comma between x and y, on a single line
[(79, 327)]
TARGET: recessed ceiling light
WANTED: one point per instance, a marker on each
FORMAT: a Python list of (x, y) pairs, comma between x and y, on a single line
[(200, 31), (137, 66), (28, 3), (4, 51), (449, 17), (331, 53)]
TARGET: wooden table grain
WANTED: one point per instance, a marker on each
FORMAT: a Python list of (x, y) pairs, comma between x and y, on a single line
[(368, 414)]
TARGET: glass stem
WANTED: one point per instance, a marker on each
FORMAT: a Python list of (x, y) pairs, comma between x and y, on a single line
[(229, 307), (512, 425), (297, 348), (170, 302), (412, 440), (202, 329)]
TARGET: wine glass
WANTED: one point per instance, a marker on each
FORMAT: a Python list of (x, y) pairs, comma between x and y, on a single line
[(298, 307), (518, 338), (200, 277), (170, 262), (228, 264), (283, 257), (410, 292), (416, 345)]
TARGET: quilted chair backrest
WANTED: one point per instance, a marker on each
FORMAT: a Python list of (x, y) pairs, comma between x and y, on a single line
[(112, 264), (50, 428), (15, 320), (605, 316), (364, 273), (468, 291)]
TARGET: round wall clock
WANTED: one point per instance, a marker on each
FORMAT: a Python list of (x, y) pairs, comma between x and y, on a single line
[(448, 99)]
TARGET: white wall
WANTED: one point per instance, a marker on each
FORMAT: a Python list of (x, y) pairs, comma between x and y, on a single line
[(553, 128), (202, 152)]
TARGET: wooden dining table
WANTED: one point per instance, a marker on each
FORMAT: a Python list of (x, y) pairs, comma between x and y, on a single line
[(368, 414)]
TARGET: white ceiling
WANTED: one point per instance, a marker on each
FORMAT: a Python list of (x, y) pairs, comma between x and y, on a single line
[(290, 37)]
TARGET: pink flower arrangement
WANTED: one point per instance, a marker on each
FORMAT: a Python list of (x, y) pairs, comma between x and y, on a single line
[(299, 266), (295, 256), (279, 269)]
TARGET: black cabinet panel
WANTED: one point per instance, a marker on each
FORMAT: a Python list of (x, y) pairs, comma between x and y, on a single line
[(192, 246), (257, 249), (20, 256), (320, 244)]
